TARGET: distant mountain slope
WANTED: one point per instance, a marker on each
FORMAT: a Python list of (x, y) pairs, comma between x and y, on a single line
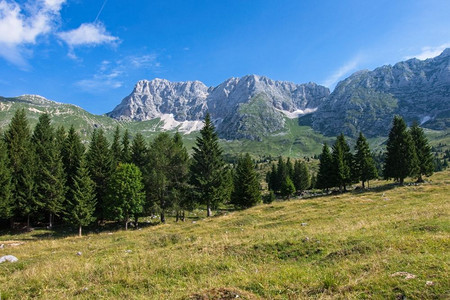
[(229, 104), (367, 100), (61, 113)]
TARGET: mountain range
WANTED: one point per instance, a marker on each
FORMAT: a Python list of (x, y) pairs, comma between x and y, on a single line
[(257, 108)]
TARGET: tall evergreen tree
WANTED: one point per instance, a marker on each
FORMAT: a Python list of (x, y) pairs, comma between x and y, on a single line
[(125, 193), (126, 153), (287, 187), (72, 155), (116, 148), (81, 206), (301, 179), (139, 152), (207, 167), (21, 159), (271, 179), (423, 152), (289, 168), (60, 138), (179, 176), (400, 158), (6, 203), (325, 177), (364, 166), (342, 160), (282, 173), (99, 161), (49, 175), (246, 192)]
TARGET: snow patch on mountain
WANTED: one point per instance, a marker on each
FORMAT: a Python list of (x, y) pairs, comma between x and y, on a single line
[(298, 112), (185, 126)]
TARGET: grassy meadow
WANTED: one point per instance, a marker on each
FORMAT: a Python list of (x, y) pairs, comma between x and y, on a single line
[(343, 246)]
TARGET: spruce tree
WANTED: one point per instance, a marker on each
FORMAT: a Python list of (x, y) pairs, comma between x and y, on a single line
[(325, 177), (301, 178), (116, 148), (364, 166), (139, 152), (342, 163), (272, 180), (207, 167), (246, 192), (125, 196), (60, 138), (6, 203), (179, 176), (99, 161), (126, 153), (21, 160), (400, 157), (287, 187), (289, 168), (282, 173), (72, 155), (49, 175), (81, 206), (423, 152)]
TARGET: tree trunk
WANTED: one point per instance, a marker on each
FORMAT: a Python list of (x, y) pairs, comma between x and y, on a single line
[(28, 222), (126, 224), (79, 231), (163, 217), (136, 221), (11, 222), (208, 212), (183, 218), (402, 180), (363, 184), (420, 179), (50, 221), (177, 216)]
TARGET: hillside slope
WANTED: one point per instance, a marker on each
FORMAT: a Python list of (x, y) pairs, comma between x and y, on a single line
[(347, 246)]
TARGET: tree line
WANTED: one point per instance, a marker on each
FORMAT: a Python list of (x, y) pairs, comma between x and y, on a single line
[(408, 154), (48, 173)]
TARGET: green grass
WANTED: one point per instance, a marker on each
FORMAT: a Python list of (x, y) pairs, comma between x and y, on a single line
[(349, 247)]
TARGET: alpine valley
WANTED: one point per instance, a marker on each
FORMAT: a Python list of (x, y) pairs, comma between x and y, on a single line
[(263, 116)]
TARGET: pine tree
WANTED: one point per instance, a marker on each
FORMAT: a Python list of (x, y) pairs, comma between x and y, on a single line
[(179, 167), (207, 167), (324, 177), (81, 206), (282, 173), (287, 187), (126, 153), (301, 178), (116, 148), (60, 137), (271, 179), (6, 203), (125, 196), (364, 166), (342, 160), (21, 159), (72, 155), (289, 168), (423, 152), (49, 175), (99, 161), (246, 192), (139, 152), (400, 158)]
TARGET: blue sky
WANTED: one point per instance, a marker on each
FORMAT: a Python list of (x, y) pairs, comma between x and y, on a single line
[(91, 53)]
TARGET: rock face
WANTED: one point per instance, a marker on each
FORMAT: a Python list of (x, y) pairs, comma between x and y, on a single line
[(418, 90), (249, 107)]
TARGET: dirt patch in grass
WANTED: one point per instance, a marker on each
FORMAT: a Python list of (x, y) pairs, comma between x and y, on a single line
[(222, 293)]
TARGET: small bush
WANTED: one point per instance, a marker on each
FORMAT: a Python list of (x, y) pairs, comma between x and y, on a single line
[(269, 198)]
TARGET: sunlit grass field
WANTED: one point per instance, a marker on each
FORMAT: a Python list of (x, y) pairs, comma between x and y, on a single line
[(344, 246)]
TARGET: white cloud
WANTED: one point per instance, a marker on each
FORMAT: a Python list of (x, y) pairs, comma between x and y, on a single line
[(342, 71), (19, 27), (429, 52), (89, 34)]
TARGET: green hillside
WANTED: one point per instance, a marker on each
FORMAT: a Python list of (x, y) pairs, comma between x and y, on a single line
[(385, 243)]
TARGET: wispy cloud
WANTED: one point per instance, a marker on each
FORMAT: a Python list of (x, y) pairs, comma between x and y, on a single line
[(345, 69), (88, 34), (429, 52), (110, 75), (20, 27)]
